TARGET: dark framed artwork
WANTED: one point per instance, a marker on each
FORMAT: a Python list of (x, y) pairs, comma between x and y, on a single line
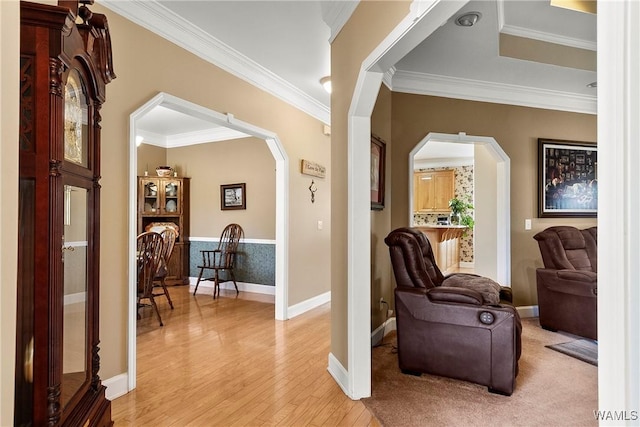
[(568, 179), (233, 196), (377, 172)]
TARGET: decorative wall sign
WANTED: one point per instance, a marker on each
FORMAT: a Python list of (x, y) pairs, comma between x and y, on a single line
[(568, 179), (313, 169), (233, 196)]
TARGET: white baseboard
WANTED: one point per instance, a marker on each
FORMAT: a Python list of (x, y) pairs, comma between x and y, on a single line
[(526, 311), (378, 334), (242, 286), (292, 311), (466, 264), (339, 374), (116, 386), (311, 303)]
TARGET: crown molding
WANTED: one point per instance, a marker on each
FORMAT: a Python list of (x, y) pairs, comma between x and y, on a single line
[(152, 138), (387, 77), (191, 138), (204, 136), (157, 18), (336, 14), (499, 93), (513, 30)]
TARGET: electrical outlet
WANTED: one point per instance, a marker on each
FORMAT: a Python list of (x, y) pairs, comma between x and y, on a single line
[(382, 302)]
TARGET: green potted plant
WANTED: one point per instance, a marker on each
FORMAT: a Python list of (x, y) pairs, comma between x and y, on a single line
[(459, 212)]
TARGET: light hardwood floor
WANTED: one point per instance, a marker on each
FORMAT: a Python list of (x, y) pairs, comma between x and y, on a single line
[(227, 362)]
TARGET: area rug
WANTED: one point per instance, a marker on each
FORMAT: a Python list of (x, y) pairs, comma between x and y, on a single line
[(551, 390), (582, 349)]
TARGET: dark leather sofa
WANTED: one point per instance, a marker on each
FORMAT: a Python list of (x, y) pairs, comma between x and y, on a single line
[(445, 326), (568, 283)]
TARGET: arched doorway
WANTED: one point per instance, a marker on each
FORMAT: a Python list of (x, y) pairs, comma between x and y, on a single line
[(495, 260), (281, 228)]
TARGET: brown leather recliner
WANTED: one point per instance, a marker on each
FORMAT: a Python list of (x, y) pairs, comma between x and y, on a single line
[(444, 326), (568, 283)]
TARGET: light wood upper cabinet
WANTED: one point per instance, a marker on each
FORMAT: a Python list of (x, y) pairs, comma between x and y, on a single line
[(433, 190)]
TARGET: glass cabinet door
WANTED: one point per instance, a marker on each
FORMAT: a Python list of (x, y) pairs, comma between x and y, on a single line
[(172, 197), (151, 196)]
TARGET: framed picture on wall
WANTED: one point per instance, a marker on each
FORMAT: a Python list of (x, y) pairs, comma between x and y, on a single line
[(233, 196), (568, 179), (377, 172)]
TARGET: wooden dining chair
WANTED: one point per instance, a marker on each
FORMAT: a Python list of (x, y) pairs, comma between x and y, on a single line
[(149, 257), (169, 236), (223, 258)]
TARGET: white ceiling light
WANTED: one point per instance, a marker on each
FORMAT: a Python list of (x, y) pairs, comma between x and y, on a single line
[(468, 19), (326, 83)]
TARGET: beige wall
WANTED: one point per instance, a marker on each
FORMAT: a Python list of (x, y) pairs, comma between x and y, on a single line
[(9, 95), (516, 129), (381, 282), (210, 165), (149, 157), (141, 74), (367, 27)]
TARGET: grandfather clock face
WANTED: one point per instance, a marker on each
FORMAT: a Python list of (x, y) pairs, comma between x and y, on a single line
[(75, 120)]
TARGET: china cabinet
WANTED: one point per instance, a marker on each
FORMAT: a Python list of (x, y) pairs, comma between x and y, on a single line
[(433, 190), (65, 64), (164, 200)]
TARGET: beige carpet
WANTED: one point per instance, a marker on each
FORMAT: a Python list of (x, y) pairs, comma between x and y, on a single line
[(552, 389)]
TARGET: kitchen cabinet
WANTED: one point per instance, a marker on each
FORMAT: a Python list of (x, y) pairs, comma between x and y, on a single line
[(433, 190)]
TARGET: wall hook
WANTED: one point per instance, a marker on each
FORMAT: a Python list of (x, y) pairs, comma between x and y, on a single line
[(313, 190)]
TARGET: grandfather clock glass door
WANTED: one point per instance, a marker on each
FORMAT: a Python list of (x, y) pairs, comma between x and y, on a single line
[(75, 272), (75, 241)]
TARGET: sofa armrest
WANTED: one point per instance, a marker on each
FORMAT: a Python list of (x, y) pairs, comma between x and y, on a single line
[(449, 305), (575, 282), (457, 295), (579, 276)]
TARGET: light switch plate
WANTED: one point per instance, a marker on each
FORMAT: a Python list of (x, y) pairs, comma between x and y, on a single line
[(320, 225), (527, 224)]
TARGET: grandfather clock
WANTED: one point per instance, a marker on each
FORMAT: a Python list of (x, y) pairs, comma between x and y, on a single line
[(65, 64)]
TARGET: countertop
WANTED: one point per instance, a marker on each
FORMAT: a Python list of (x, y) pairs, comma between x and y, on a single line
[(440, 226)]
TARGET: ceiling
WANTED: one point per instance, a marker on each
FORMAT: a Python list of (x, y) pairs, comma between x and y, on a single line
[(519, 52)]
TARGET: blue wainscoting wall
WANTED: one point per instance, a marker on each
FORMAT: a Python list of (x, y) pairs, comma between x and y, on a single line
[(256, 262)]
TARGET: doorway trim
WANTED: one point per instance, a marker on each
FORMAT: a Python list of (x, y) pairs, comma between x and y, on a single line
[(423, 19), (282, 205), (503, 191)]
